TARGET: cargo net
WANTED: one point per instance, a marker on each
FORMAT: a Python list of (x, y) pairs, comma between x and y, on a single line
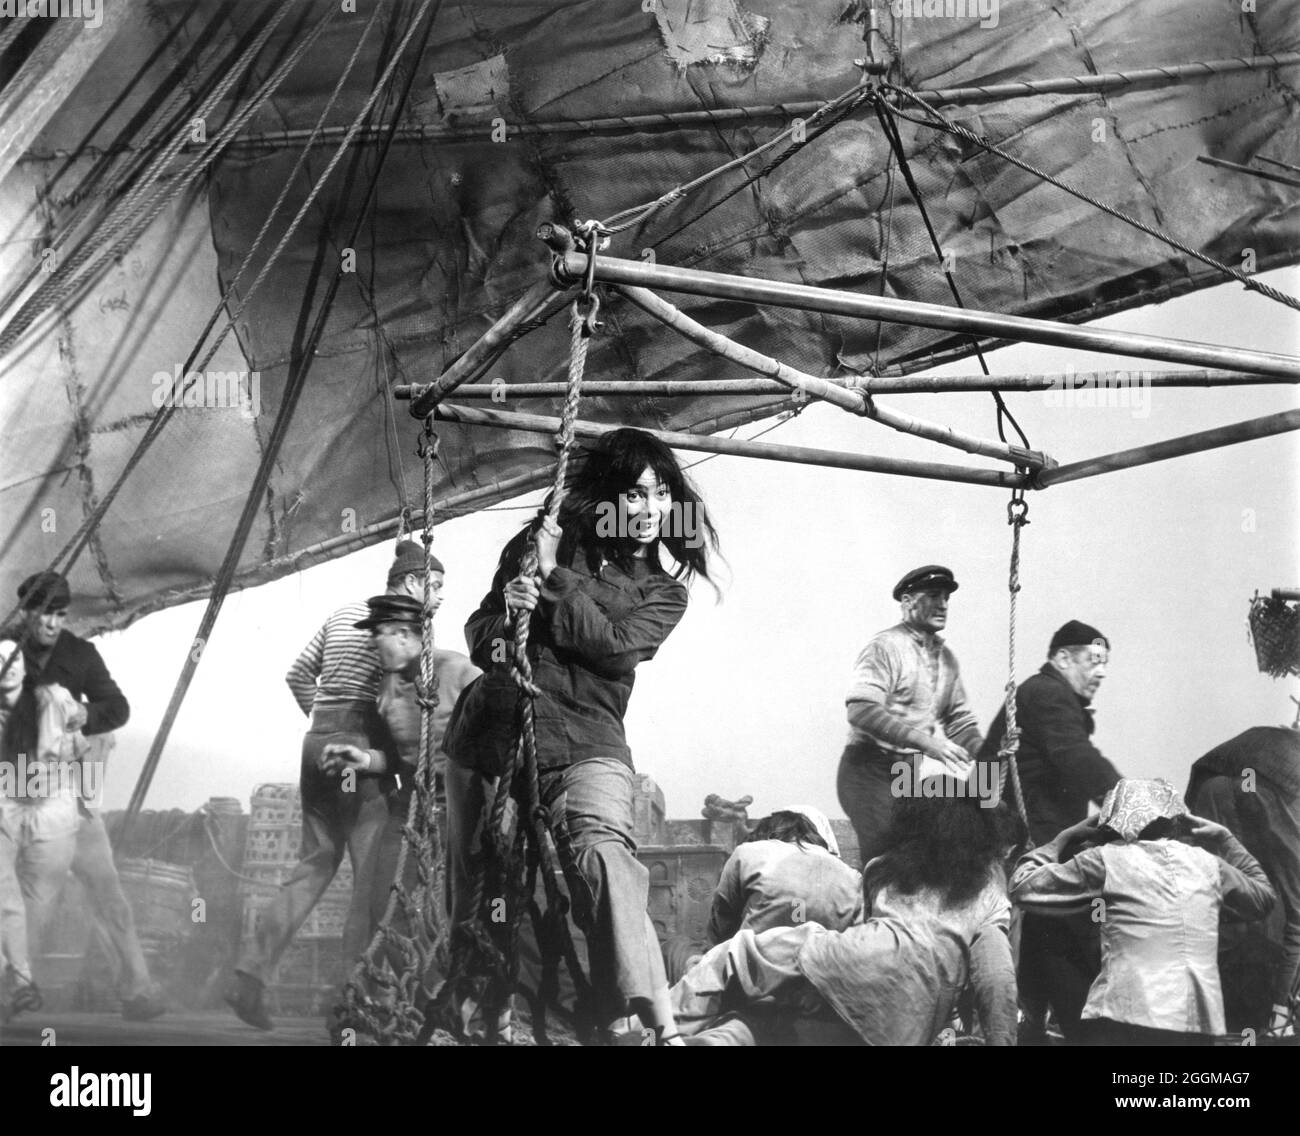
[(1275, 631), (392, 984)]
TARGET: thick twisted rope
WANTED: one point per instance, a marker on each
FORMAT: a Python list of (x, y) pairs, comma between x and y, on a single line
[(69, 554), (508, 854), (1017, 518)]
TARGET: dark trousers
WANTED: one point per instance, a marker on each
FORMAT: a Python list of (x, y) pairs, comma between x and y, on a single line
[(864, 782), (1060, 958), (333, 821), (590, 805), (1103, 1031)]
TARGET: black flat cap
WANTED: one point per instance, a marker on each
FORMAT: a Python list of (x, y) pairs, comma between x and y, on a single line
[(1075, 634), (929, 576), (392, 609), (46, 590)]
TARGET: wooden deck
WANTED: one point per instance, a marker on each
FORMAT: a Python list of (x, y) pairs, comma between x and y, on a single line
[(209, 1027)]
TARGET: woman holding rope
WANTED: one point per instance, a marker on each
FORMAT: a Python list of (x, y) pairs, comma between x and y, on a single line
[(602, 601)]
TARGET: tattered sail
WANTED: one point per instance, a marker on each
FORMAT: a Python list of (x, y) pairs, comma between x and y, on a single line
[(522, 113)]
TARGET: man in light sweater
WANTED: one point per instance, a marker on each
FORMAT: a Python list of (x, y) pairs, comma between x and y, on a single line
[(335, 681), (906, 702)]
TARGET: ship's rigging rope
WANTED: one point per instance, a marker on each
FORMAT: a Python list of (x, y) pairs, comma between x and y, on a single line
[(482, 968), (145, 202), (396, 1014), (1017, 518), (71, 551), (299, 366)]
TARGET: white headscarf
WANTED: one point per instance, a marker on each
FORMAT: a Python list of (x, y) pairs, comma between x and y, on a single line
[(820, 822)]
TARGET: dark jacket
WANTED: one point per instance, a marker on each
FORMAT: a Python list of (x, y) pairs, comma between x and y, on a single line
[(75, 664), (1060, 769), (587, 635), (1252, 784)]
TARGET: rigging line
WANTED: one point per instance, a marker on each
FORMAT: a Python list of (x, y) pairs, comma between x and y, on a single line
[(216, 849), (72, 550), (782, 418), (299, 367), (69, 278), (638, 214), (148, 168), (390, 419), (890, 129), (936, 121), (167, 118), (15, 27), (884, 263), (861, 96)]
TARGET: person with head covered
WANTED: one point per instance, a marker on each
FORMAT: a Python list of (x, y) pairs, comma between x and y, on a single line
[(1156, 881), (936, 920), (786, 872)]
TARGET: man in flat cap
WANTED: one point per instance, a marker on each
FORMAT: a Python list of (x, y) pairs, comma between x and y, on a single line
[(335, 682), (395, 623), (905, 702), (55, 658), (1061, 771)]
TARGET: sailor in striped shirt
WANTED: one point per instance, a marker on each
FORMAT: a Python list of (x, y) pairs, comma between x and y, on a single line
[(335, 681)]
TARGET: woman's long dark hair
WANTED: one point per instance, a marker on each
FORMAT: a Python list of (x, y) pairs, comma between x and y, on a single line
[(947, 842), (599, 476), (789, 827)]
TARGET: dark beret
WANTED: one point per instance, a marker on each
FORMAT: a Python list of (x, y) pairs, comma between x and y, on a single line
[(1075, 634)]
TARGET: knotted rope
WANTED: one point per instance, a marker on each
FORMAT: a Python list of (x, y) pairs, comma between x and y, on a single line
[(1017, 518), (520, 779), (399, 1017)]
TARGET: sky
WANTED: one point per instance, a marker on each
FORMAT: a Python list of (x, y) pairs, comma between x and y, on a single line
[(747, 695)]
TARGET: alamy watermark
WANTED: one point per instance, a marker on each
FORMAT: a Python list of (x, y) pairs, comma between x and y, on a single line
[(982, 783), (42, 780), (234, 390), (986, 11), (681, 521), (91, 11), (1101, 390)]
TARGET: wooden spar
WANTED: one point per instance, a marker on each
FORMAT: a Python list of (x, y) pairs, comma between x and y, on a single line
[(723, 116), (706, 443), (1173, 447), (907, 384), (612, 270), (1237, 167), (1110, 81), (532, 309), (56, 65), (1062, 381), (819, 388)]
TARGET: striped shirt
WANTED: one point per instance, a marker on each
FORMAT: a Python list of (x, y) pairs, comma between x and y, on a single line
[(339, 665)]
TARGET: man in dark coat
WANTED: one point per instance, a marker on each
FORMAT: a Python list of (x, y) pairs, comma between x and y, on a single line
[(1251, 784), (1061, 771), (54, 656)]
